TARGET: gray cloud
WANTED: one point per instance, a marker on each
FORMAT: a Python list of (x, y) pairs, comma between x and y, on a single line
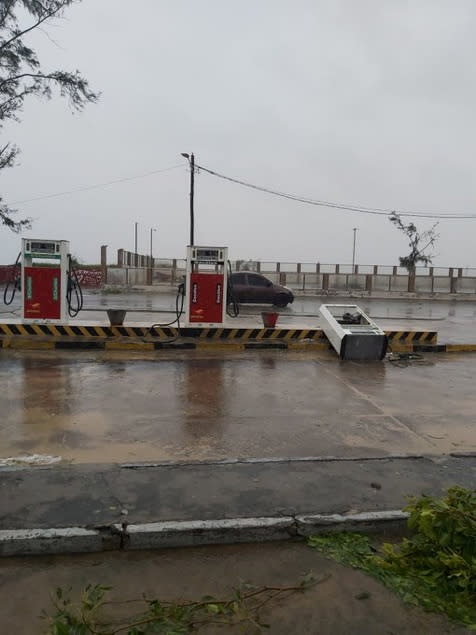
[(370, 102)]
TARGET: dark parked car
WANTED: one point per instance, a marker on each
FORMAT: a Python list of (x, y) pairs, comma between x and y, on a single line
[(254, 288)]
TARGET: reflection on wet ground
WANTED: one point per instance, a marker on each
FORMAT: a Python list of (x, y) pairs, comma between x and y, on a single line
[(101, 407)]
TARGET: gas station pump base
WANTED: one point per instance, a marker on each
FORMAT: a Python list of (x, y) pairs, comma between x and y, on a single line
[(143, 338)]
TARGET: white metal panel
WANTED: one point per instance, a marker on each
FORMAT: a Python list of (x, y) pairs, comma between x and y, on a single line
[(346, 325)]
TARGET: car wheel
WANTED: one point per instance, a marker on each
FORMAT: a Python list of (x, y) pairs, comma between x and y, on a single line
[(281, 301)]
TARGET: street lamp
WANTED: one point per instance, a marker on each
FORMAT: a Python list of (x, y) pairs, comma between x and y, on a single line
[(191, 161), (135, 244), (353, 251), (151, 260), (152, 230)]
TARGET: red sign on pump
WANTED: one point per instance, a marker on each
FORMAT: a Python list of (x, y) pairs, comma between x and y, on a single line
[(206, 297), (42, 293)]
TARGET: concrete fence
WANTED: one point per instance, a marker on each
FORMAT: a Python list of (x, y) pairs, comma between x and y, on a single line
[(307, 277), (312, 277)]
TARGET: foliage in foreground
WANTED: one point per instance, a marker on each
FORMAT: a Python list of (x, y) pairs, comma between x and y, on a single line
[(435, 568), (92, 614), (22, 75)]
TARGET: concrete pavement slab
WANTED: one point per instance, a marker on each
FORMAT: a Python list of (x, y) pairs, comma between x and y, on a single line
[(102, 495)]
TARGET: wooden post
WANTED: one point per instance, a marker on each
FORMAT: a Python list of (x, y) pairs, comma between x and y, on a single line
[(104, 263), (325, 282), (174, 271), (453, 282), (368, 282)]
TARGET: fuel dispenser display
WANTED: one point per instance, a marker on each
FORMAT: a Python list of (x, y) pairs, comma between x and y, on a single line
[(206, 286), (50, 289)]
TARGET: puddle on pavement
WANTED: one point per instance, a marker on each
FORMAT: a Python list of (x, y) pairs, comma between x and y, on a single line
[(267, 405)]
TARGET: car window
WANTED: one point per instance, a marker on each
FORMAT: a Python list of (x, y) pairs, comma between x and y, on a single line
[(257, 281), (239, 278)]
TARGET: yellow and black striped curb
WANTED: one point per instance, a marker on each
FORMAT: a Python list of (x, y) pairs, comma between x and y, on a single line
[(428, 338), (136, 344), (66, 331), (425, 338), (68, 336)]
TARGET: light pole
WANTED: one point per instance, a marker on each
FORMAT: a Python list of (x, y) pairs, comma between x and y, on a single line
[(191, 161), (135, 244), (151, 259), (152, 230), (353, 251)]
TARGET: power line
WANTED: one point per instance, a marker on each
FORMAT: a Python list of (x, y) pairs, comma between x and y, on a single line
[(98, 185), (361, 209)]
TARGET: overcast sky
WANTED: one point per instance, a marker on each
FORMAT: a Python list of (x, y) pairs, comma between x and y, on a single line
[(370, 102)]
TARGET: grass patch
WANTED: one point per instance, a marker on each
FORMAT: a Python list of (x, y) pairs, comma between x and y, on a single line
[(435, 568)]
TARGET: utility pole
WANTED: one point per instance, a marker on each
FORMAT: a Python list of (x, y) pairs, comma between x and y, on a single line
[(135, 245), (152, 229), (191, 162), (151, 259), (353, 251)]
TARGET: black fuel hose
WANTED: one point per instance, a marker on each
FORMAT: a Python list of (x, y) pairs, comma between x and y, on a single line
[(232, 306), (13, 281), (74, 292), (178, 315)]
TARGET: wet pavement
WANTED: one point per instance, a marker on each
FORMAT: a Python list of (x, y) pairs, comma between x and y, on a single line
[(453, 319), (112, 407), (347, 601)]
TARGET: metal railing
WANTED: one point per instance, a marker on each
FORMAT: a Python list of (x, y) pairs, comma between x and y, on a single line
[(315, 277)]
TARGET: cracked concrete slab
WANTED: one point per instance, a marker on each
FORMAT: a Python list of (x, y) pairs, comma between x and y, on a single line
[(99, 495)]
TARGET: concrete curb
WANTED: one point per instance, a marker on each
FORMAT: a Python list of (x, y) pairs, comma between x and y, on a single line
[(168, 534), (26, 542), (368, 522), (207, 532)]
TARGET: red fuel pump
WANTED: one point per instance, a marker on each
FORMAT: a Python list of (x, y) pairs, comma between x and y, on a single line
[(44, 280), (206, 286)]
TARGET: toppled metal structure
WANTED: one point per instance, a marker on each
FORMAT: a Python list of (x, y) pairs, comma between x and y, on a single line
[(352, 333)]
